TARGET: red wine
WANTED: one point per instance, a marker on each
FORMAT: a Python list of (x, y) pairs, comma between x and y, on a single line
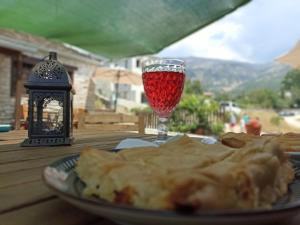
[(163, 90)]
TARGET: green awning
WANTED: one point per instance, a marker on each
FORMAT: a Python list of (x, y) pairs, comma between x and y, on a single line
[(114, 28)]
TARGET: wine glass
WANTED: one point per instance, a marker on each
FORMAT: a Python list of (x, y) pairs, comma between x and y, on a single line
[(163, 81)]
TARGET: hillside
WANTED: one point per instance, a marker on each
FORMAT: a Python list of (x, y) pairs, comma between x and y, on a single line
[(235, 77)]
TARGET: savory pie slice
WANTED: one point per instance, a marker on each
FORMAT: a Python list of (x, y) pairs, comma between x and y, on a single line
[(289, 142), (188, 175)]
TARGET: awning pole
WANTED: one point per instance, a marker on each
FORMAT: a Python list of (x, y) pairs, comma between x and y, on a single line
[(19, 90), (117, 90)]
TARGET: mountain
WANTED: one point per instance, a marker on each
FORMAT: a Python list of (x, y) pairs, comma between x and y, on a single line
[(235, 77)]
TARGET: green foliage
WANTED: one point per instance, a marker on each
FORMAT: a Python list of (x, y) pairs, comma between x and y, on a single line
[(291, 83), (223, 97), (193, 87), (276, 120), (194, 104), (99, 104), (182, 127), (217, 128), (138, 110), (292, 79), (262, 98)]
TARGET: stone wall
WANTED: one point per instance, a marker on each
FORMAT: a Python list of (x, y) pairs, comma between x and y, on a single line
[(84, 98), (82, 78), (6, 102)]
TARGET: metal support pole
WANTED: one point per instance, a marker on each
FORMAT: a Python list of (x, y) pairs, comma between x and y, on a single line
[(117, 90)]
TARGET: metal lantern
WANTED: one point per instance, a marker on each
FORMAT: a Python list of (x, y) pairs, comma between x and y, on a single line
[(50, 104)]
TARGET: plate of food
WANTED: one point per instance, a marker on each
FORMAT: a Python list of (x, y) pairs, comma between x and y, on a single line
[(182, 182), (288, 142)]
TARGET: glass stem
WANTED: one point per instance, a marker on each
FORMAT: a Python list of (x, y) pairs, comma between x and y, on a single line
[(162, 129)]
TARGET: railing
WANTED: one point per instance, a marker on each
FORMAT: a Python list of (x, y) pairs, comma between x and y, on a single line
[(189, 119)]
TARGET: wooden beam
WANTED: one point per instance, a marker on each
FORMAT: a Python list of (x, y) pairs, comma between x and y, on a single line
[(19, 90), (9, 52), (141, 123)]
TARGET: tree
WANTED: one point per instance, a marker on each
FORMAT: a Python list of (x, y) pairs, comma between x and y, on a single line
[(263, 98), (193, 110), (193, 87), (291, 83), (223, 96), (193, 105)]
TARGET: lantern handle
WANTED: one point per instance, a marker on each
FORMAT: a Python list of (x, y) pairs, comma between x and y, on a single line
[(52, 55), (44, 58)]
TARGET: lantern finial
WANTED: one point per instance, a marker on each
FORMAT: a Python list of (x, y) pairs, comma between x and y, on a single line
[(53, 55)]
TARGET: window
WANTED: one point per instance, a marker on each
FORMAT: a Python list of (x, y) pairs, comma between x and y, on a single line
[(138, 63), (144, 99)]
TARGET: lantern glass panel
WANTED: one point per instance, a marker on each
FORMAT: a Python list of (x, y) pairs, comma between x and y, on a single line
[(48, 116)]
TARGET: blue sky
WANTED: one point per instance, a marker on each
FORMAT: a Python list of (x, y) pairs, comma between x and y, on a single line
[(258, 32)]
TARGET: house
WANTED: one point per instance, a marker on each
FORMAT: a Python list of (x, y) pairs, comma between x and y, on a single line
[(118, 89), (19, 52), (130, 96)]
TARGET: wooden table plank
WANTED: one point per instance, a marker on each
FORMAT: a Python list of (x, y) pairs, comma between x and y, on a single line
[(16, 137), (22, 154), (21, 168), (103, 222), (13, 135), (29, 164), (20, 177), (80, 139), (32, 173), (50, 212), (38, 153), (24, 199), (38, 162), (22, 195)]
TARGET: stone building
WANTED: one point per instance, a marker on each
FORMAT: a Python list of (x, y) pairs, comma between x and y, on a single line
[(19, 52), (130, 96)]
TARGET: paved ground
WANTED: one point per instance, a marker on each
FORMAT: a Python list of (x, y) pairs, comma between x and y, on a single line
[(293, 121)]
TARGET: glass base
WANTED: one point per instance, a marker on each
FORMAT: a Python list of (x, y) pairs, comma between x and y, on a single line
[(162, 130)]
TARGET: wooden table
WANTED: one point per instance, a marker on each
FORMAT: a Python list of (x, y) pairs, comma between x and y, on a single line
[(24, 198)]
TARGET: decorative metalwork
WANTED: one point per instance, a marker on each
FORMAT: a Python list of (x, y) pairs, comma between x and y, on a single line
[(52, 115), (48, 70), (50, 104), (158, 65)]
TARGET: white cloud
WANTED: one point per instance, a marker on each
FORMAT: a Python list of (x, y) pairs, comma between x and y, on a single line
[(210, 42), (258, 32)]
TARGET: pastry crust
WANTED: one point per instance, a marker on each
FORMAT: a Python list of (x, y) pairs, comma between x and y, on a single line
[(188, 175), (288, 142)]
